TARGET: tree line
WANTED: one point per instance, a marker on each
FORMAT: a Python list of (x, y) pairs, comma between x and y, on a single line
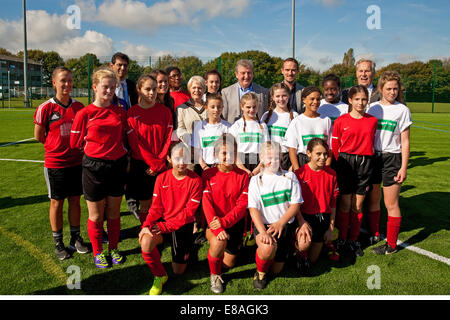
[(418, 77)]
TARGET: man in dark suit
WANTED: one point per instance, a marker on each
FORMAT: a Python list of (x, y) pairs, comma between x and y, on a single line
[(126, 91), (127, 96), (365, 72), (231, 95), (290, 71)]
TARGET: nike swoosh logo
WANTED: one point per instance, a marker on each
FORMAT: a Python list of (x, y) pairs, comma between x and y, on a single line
[(165, 186), (346, 128)]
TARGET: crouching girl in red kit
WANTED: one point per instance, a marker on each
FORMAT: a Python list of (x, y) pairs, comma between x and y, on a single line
[(100, 130), (176, 197), (225, 206), (319, 192)]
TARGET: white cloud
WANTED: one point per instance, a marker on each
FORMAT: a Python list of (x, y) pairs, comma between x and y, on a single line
[(50, 33), (330, 3), (136, 15)]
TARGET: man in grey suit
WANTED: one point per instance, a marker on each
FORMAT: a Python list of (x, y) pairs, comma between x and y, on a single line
[(231, 95), (290, 71), (365, 72)]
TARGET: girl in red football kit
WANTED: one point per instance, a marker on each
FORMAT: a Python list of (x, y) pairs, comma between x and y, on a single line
[(100, 131), (149, 136), (319, 191), (176, 198), (224, 204), (62, 166), (352, 145)]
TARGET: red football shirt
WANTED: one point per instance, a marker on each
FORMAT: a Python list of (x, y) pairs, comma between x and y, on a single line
[(354, 136), (174, 201), (57, 121), (149, 134), (179, 97), (101, 132), (225, 196), (319, 189)]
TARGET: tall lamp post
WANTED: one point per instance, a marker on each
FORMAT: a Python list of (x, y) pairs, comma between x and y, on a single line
[(25, 54), (293, 29)]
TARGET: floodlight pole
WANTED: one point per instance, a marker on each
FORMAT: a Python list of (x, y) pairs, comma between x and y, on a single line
[(293, 29), (25, 54)]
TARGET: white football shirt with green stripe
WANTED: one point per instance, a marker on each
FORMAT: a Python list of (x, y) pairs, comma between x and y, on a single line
[(255, 134), (205, 135), (278, 124), (392, 121), (332, 111), (273, 194), (302, 129)]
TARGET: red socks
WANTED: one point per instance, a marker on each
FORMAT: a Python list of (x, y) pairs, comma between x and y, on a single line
[(95, 232), (113, 226), (262, 265), (153, 260), (355, 225), (393, 229), (374, 222), (342, 220), (215, 264)]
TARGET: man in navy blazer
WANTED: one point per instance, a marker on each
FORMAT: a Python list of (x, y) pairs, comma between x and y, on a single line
[(365, 72), (232, 94)]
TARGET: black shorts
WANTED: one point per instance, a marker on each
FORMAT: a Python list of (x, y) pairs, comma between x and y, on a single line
[(385, 168), (236, 233), (249, 160), (353, 173), (102, 178), (139, 183), (284, 243), (63, 182), (181, 242), (319, 224), (285, 161)]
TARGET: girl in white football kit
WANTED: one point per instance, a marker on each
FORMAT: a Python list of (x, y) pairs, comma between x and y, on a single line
[(274, 201), (330, 105), (278, 118), (249, 133), (206, 132), (310, 124), (391, 157)]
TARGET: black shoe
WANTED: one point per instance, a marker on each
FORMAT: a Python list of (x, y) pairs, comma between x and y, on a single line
[(258, 281), (384, 249), (77, 244), (303, 267), (61, 251), (355, 247), (374, 240), (342, 247)]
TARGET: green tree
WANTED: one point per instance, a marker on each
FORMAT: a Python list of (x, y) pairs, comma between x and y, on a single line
[(79, 67)]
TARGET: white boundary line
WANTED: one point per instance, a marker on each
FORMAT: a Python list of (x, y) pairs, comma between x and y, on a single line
[(16, 142), (22, 160), (415, 249)]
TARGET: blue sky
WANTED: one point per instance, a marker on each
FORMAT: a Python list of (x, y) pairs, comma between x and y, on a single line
[(325, 29)]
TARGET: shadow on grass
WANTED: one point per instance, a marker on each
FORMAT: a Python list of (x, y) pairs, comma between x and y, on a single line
[(9, 202), (418, 159)]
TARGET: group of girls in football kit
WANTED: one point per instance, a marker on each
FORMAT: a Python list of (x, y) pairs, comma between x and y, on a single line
[(295, 182)]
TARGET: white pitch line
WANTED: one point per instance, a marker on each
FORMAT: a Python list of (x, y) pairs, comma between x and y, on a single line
[(22, 160), (415, 249), (16, 142)]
